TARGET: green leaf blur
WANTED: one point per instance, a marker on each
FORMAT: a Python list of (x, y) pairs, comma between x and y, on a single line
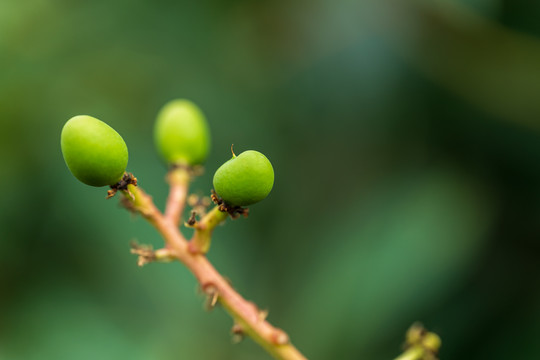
[(405, 141)]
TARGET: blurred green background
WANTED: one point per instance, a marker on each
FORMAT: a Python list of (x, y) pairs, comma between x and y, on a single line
[(405, 141)]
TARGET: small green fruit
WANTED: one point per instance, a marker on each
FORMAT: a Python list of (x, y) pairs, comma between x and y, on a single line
[(93, 151), (181, 133), (245, 179)]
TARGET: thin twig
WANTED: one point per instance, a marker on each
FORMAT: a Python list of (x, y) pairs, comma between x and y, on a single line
[(202, 237), (245, 314), (178, 178)]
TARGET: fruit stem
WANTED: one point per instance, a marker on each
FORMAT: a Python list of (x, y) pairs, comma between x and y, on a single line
[(232, 151), (136, 200), (203, 230), (178, 179)]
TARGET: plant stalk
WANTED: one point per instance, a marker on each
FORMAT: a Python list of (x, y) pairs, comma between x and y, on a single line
[(178, 179), (248, 318)]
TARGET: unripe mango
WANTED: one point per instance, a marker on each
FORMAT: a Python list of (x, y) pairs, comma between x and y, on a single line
[(93, 151), (181, 133), (245, 179)]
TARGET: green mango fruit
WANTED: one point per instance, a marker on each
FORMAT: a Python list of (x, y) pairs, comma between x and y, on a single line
[(245, 179), (93, 151), (181, 133)]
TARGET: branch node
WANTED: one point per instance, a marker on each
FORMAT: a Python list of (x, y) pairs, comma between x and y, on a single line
[(193, 249), (192, 221), (233, 211), (238, 333), (147, 254), (122, 185), (280, 337), (212, 296), (263, 314)]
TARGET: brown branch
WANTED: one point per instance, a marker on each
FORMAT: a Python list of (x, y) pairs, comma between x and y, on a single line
[(248, 318), (178, 179)]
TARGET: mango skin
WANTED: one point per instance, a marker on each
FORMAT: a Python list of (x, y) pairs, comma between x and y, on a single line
[(93, 151), (181, 133), (245, 179)]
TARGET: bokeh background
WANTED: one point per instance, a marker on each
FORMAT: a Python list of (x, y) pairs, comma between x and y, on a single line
[(406, 145)]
